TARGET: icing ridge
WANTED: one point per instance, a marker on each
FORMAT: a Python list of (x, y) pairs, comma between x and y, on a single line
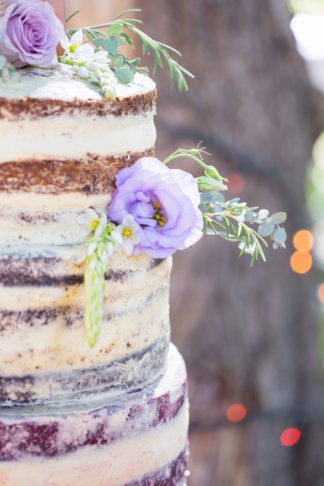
[(114, 377)]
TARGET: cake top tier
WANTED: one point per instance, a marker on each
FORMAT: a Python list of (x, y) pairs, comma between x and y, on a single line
[(39, 92), (61, 84)]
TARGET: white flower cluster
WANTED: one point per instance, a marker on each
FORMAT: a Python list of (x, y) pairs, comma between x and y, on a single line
[(89, 64), (106, 236)]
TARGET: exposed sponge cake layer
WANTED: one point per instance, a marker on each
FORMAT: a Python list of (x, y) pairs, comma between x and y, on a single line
[(90, 175), (102, 442)]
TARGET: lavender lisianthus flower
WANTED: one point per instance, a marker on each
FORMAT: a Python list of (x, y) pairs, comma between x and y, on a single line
[(163, 202), (30, 33)]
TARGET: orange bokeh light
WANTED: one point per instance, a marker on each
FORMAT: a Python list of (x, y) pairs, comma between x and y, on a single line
[(301, 262), (236, 412), (290, 437), (303, 240), (321, 293), (235, 183)]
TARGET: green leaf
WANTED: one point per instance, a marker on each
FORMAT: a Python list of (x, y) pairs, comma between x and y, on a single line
[(98, 42), (125, 75), (263, 214), (280, 236), (115, 30), (266, 228), (70, 17), (118, 61), (278, 218), (207, 184), (110, 45), (127, 39), (249, 215)]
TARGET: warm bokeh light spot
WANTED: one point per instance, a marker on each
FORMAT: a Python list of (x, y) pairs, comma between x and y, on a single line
[(321, 293), (301, 262), (290, 437), (303, 240), (236, 412), (235, 183)]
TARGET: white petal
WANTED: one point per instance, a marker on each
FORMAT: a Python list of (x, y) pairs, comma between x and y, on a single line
[(65, 43), (116, 235), (77, 38), (101, 57), (128, 221), (85, 52), (128, 247), (92, 213)]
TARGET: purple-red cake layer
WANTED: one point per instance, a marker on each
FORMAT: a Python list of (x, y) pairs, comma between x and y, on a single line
[(48, 431), (172, 475), (132, 439)]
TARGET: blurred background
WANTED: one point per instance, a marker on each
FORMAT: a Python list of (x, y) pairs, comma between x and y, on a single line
[(252, 339)]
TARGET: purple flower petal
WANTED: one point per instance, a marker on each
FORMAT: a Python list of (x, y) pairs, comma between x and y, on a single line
[(30, 33), (163, 201)]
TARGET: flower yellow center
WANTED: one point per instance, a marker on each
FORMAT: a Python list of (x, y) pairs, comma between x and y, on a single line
[(94, 224), (158, 214), (73, 47), (127, 233)]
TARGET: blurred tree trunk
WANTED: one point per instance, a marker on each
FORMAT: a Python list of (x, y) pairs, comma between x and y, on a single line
[(95, 12), (248, 336)]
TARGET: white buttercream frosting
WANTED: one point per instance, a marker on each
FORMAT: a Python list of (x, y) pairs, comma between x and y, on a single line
[(60, 83), (77, 134), (136, 315)]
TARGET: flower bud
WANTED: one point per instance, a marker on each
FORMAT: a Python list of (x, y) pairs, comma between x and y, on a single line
[(109, 92), (83, 72), (209, 184), (212, 172)]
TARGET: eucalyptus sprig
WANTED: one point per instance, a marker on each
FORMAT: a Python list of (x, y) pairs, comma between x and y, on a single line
[(111, 36), (233, 220)]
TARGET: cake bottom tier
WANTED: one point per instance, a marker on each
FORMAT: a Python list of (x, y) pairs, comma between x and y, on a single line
[(138, 438)]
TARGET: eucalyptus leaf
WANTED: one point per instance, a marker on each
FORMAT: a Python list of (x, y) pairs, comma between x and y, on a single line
[(266, 228), (280, 236), (119, 61), (212, 197), (110, 45), (98, 42), (263, 214), (125, 75), (249, 215), (278, 218)]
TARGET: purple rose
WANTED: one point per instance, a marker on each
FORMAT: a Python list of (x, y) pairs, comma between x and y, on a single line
[(30, 33), (163, 202)]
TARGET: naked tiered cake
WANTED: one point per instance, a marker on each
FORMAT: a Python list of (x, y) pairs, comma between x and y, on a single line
[(116, 414), (91, 391)]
